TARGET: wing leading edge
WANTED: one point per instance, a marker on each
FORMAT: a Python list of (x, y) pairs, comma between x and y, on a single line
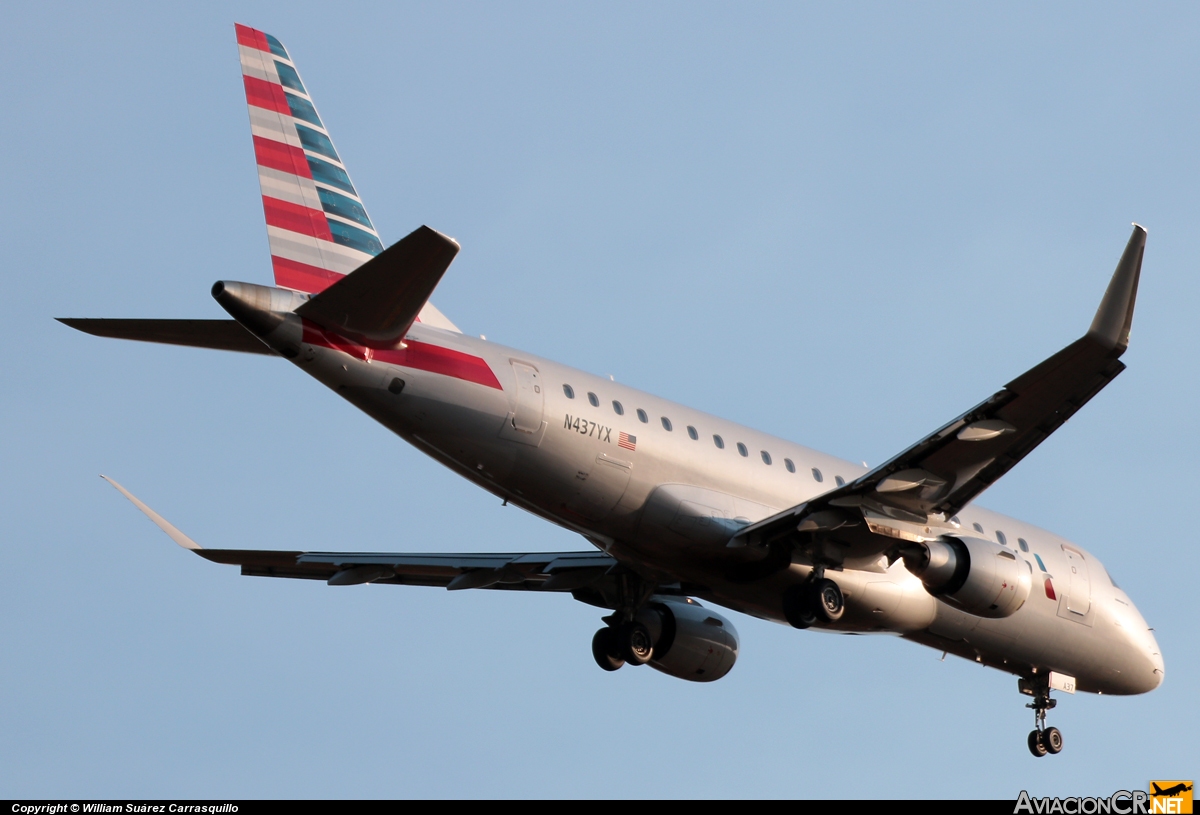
[(912, 496)]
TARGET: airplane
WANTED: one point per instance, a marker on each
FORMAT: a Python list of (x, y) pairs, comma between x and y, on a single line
[(1170, 792), (681, 508)]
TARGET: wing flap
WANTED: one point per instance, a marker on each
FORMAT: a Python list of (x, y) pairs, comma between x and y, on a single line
[(222, 335)]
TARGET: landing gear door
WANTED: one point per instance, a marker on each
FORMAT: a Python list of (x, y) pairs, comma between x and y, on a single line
[(525, 424)]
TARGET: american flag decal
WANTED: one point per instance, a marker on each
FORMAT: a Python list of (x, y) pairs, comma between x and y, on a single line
[(627, 441)]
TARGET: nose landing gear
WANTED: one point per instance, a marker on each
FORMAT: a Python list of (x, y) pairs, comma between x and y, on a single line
[(1042, 739)]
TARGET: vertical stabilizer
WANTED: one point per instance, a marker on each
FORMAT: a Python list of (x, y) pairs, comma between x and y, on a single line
[(317, 226)]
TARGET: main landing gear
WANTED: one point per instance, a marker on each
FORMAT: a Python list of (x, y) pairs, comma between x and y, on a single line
[(628, 642), (816, 600), (624, 639), (1042, 739)]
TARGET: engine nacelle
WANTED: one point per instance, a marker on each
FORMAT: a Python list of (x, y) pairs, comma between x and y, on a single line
[(972, 574), (690, 642)]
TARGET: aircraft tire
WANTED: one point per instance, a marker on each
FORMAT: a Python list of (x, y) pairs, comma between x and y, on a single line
[(797, 607), (828, 604), (1036, 745), (635, 644), (604, 649), (1052, 738)]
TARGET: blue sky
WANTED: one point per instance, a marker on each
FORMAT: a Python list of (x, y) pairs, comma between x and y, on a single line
[(841, 224)]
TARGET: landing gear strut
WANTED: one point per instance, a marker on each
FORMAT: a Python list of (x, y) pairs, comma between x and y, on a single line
[(816, 600), (624, 639), (1042, 739)]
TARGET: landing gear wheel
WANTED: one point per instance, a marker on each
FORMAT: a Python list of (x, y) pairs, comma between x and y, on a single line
[(604, 649), (635, 644), (827, 601), (1042, 739), (797, 607)]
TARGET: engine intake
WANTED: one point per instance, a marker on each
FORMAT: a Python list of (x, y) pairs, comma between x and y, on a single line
[(972, 574)]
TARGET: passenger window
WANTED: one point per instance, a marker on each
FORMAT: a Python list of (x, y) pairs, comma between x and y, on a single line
[(841, 482), (743, 449), (817, 475), (594, 399), (766, 457), (1023, 544), (954, 520), (617, 408), (666, 423), (642, 417), (791, 465), (692, 432), (1000, 537), (569, 391), (978, 528), (720, 442)]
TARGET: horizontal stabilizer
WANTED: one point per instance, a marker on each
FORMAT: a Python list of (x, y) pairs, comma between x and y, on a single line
[(377, 303), (222, 335)]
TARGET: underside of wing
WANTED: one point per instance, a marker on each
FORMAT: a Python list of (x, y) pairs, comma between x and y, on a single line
[(591, 576), (542, 571)]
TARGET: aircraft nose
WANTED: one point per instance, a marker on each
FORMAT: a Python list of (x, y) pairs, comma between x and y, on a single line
[(1148, 669), (1156, 662)]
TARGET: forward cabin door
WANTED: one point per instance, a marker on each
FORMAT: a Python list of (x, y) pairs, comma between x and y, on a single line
[(1077, 604)]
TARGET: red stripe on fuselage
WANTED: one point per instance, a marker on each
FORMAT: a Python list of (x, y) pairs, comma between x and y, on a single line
[(263, 94), (296, 218), (418, 355), (251, 38), (292, 274), (280, 156)]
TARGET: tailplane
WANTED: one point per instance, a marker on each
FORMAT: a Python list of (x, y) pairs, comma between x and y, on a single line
[(317, 226)]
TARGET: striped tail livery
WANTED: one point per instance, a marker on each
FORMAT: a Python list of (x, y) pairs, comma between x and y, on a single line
[(317, 226)]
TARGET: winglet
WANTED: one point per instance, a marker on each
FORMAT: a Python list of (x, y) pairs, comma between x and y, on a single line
[(161, 522), (1115, 315)]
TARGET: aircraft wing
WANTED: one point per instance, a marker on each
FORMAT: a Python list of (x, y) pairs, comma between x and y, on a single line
[(590, 575), (915, 492)]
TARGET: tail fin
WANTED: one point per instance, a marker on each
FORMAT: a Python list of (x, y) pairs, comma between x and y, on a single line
[(317, 226)]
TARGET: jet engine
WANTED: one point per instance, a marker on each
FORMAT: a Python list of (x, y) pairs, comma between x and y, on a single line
[(690, 642), (972, 574)]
